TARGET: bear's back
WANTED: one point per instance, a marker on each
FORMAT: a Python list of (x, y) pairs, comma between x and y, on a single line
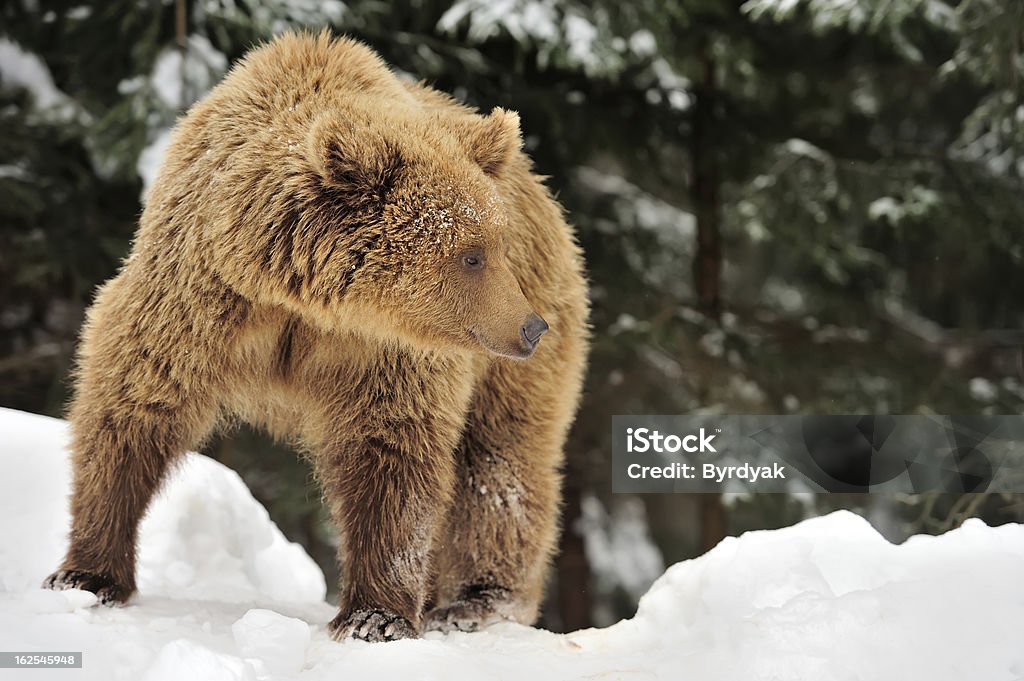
[(295, 67), (272, 96)]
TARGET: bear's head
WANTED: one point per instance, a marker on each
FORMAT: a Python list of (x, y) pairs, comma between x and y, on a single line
[(409, 205)]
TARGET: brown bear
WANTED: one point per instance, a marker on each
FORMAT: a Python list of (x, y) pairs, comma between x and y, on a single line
[(364, 267)]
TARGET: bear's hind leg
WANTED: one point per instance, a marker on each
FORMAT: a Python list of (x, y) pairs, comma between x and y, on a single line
[(119, 459), (493, 558)]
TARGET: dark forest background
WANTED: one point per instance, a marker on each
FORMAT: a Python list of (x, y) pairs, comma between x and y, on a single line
[(787, 206)]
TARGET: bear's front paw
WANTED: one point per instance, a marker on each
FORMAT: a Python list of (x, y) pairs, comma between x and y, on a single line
[(107, 591), (374, 626), (478, 607)]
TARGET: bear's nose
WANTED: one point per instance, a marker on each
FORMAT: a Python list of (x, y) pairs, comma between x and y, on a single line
[(533, 329)]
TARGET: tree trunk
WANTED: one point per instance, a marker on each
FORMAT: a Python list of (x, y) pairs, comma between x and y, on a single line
[(712, 521), (704, 190), (707, 265), (572, 567)]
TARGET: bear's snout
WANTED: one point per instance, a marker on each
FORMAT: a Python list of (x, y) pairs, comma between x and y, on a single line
[(532, 330)]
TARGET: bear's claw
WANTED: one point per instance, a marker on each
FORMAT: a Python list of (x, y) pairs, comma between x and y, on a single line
[(374, 626), (477, 608), (107, 591)]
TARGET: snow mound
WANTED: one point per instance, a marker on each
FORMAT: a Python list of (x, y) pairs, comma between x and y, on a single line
[(205, 537), (224, 596)]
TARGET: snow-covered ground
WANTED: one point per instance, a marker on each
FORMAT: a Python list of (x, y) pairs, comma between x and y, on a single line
[(225, 596)]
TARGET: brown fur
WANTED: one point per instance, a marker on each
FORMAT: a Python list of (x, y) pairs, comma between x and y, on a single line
[(300, 265)]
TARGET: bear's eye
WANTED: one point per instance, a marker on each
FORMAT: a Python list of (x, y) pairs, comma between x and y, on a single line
[(473, 261)]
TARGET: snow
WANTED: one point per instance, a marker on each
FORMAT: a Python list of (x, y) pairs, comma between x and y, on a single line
[(80, 13), (983, 389), (548, 25), (18, 68), (151, 158), (276, 642), (225, 596), (204, 538), (885, 207), (871, 16), (643, 43), (855, 14), (619, 549), (522, 19), (674, 227), (184, 658), (779, 294), (918, 203), (21, 69), (580, 36), (180, 77), (277, 16)]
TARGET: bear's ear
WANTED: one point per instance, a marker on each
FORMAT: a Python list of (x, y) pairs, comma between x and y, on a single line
[(354, 157), (493, 139)]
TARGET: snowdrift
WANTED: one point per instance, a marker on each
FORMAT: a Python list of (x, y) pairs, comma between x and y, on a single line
[(223, 595)]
